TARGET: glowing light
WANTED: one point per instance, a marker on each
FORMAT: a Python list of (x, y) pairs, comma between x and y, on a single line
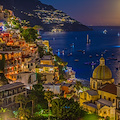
[(117, 46)]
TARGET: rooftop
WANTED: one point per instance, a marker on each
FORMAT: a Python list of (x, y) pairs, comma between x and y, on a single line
[(90, 104), (46, 57), (104, 102), (92, 92), (10, 86), (110, 88)]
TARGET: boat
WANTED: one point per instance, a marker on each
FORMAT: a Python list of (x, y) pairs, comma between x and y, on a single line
[(76, 60), (93, 63), (72, 45), (79, 50), (70, 54), (63, 52), (76, 38), (97, 55), (104, 31), (87, 63), (87, 38), (112, 58), (90, 56), (118, 34)]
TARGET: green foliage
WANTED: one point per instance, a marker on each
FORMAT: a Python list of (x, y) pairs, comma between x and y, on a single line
[(61, 66), (107, 118), (24, 113), (49, 95), (65, 109), (37, 27), (39, 78), (22, 100), (30, 35), (41, 51), (38, 92), (90, 117)]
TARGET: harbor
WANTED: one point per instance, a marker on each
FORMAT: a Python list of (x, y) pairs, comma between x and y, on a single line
[(105, 45)]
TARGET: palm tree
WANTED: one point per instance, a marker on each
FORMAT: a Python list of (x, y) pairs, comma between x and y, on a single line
[(48, 97), (32, 98)]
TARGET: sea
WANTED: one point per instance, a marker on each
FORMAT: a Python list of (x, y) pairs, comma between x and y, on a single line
[(82, 48)]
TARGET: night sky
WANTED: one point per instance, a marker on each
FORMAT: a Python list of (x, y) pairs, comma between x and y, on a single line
[(90, 12)]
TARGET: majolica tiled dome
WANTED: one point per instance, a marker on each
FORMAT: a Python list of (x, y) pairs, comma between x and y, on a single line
[(102, 72)]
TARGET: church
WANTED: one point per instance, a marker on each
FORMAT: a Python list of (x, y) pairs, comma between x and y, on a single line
[(101, 98)]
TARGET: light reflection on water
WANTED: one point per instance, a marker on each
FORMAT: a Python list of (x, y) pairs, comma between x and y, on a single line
[(108, 45)]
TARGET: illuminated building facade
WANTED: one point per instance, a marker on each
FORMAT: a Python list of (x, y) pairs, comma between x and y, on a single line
[(101, 99)]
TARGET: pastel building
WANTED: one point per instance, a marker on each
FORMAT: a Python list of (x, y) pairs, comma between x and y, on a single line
[(101, 99), (47, 69), (28, 78), (44, 44), (55, 88)]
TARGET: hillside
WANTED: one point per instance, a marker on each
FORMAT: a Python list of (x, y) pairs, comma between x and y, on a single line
[(41, 14)]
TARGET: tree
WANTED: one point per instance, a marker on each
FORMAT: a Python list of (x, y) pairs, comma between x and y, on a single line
[(65, 109), (38, 91), (32, 98), (29, 34), (22, 100), (39, 75), (23, 111), (41, 51), (38, 28), (48, 97)]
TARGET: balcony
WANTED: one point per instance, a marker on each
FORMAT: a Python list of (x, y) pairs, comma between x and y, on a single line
[(11, 93)]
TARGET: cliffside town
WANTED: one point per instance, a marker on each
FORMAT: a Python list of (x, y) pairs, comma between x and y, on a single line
[(36, 84), (47, 16)]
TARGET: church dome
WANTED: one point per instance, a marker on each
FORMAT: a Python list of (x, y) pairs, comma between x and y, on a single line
[(102, 72)]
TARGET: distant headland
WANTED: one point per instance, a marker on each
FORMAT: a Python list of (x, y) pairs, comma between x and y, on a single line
[(49, 18)]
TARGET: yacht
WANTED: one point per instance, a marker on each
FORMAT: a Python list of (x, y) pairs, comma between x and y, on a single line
[(76, 60), (104, 31), (118, 34)]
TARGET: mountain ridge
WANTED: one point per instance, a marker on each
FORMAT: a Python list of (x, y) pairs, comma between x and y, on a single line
[(41, 14)]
